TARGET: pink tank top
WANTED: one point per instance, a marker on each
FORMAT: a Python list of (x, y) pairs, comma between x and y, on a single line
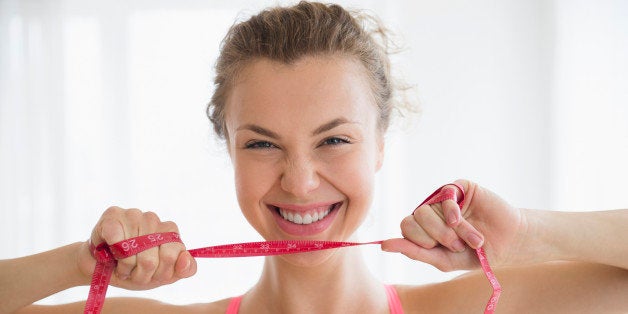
[(394, 304)]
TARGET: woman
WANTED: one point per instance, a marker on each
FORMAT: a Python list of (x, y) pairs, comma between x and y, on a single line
[(303, 99)]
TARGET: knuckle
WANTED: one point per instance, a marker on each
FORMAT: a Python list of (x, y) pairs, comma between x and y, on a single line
[(150, 221), (405, 233), (126, 264), (111, 211), (110, 229), (170, 226), (423, 211), (407, 222), (449, 237), (148, 264), (151, 216), (464, 182), (169, 257), (108, 223), (133, 215), (133, 212), (428, 243)]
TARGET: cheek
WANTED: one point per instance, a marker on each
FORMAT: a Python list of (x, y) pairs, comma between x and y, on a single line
[(354, 175), (251, 182)]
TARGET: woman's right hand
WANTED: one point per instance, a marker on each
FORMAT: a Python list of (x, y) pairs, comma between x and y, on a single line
[(154, 267)]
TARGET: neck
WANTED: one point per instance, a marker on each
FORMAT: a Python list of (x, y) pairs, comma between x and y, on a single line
[(340, 283)]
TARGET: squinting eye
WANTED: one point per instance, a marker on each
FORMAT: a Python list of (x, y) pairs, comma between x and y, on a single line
[(336, 141), (259, 145)]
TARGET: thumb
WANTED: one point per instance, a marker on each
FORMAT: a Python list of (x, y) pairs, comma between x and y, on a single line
[(185, 265), (439, 257)]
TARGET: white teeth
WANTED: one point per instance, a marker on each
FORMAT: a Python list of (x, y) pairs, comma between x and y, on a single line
[(298, 219), (306, 219)]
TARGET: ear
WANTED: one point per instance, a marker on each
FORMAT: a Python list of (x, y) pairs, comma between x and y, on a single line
[(380, 153)]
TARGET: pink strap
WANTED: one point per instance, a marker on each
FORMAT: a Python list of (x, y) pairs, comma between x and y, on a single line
[(107, 255), (234, 305), (394, 304), (442, 194)]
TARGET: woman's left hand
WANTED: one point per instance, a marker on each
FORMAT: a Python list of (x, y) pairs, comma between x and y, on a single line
[(442, 234)]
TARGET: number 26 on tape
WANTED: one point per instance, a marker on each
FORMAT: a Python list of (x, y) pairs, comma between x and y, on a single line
[(130, 244)]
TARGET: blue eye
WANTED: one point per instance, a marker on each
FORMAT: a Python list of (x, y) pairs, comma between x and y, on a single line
[(259, 145), (336, 141)]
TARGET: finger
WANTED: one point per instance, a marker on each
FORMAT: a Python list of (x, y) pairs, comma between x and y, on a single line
[(130, 221), (437, 229), (111, 230), (451, 211), (438, 257), (168, 255), (147, 261), (469, 234), (410, 229), (467, 192), (186, 265)]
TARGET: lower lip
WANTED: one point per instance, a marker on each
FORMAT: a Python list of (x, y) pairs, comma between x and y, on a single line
[(305, 230)]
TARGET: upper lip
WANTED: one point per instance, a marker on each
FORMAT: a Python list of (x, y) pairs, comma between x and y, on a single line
[(303, 208)]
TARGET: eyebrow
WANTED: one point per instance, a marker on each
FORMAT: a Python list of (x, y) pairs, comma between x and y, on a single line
[(266, 132), (330, 125), (259, 130)]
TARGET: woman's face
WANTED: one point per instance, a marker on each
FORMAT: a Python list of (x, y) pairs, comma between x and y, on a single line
[(305, 146)]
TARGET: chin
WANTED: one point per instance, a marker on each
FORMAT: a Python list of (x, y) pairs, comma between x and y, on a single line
[(311, 259)]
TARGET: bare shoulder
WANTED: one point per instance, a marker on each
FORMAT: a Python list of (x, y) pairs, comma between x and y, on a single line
[(138, 305), (556, 287), (132, 306), (468, 292)]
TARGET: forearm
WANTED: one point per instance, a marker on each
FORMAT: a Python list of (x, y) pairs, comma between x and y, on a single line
[(28, 279), (594, 237)]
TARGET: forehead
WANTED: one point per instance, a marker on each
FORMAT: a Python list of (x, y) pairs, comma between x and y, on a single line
[(312, 88)]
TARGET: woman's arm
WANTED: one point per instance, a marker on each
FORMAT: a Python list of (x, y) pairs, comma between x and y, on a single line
[(510, 236), (593, 237), (28, 279), (524, 247)]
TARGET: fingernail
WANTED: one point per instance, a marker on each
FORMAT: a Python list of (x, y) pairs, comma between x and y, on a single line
[(475, 240), (452, 218), (388, 248), (459, 246), (188, 263)]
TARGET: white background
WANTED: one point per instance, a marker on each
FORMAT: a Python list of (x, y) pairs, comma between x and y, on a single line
[(102, 103)]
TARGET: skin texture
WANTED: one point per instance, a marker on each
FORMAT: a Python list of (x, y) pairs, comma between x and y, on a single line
[(295, 166), (299, 165), (547, 262)]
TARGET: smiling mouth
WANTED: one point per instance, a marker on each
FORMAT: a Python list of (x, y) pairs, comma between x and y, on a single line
[(308, 217)]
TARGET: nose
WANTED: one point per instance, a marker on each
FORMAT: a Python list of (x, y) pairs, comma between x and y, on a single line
[(299, 177)]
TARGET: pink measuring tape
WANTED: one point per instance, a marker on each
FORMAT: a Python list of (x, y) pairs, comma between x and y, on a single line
[(107, 255)]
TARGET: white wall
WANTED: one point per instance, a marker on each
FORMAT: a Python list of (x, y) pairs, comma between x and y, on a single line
[(590, 105), (103, 104)]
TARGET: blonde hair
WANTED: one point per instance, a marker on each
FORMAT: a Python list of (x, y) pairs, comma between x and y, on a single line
[(286, 34)]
